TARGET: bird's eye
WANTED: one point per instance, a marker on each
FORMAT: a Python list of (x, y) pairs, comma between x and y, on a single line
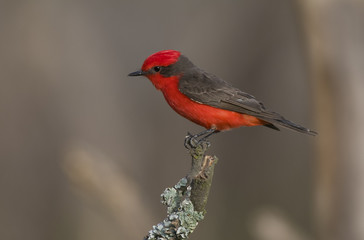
[(157, 69)]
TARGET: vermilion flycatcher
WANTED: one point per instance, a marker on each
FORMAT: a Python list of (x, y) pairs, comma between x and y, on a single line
[(206, 99)]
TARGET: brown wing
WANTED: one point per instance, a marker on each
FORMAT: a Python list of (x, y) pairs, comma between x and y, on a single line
[(208, 89)]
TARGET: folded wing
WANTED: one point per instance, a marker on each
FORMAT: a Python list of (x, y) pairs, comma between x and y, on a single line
[(208, 89)]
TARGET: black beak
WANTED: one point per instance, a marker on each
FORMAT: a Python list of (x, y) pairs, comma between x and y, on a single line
[(137, 73)]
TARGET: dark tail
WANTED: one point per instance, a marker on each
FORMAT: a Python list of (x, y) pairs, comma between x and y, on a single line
[(281, 121)]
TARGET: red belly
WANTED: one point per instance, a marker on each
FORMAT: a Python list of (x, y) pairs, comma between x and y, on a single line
[(207, 116)]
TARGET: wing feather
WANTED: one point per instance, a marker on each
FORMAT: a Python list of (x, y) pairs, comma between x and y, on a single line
[(208, 89)]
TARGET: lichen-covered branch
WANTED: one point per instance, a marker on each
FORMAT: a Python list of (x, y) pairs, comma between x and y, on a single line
[(186, 201)]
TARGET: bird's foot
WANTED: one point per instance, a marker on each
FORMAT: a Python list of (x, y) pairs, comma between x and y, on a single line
[(192, 141)]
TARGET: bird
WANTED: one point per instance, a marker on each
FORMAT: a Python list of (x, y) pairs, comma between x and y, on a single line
[(206, 99)]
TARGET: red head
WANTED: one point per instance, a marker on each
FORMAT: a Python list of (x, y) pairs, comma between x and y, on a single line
[(162, 59), (163, 67)]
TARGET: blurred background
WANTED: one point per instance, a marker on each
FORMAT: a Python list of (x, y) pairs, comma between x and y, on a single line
[(86, 151)]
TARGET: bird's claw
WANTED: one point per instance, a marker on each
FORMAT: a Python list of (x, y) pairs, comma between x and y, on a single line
[(192, 141)]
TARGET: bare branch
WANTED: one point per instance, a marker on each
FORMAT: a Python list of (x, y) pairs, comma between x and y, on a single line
[(186, 201)]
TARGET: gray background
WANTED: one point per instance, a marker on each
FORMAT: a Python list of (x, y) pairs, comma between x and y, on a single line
[(86, 150)]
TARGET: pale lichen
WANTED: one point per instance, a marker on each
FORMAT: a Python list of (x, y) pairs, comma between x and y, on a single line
[(186, 201), (182, 219)]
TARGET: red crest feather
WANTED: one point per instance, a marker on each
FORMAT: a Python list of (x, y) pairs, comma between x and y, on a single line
[(161, 58)]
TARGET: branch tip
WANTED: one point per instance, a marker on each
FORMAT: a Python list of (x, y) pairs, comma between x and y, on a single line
[(186, 201)]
